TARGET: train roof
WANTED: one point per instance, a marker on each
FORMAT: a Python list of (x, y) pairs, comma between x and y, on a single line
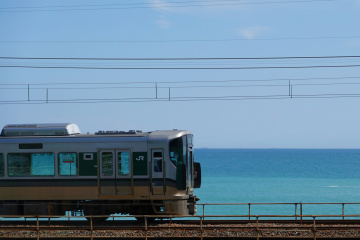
[(72, 130), (40, 129)]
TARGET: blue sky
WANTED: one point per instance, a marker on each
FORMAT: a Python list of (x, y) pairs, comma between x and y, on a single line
[(225, 108)]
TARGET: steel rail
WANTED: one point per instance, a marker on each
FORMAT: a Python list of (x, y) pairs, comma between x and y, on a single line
[(296, 204), (199, 228)]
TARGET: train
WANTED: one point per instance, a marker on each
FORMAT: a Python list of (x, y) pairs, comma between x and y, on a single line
[(52, 169)]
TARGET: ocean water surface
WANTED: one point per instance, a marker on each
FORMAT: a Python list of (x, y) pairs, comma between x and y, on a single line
[(279, 176)]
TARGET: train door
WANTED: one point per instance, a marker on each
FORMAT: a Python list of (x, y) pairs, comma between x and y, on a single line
[(124, 179), (115, 177), (158, 183)]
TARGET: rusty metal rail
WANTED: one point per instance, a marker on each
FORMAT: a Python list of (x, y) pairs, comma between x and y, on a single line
[(196, 228), (245, 225), (298, 207)]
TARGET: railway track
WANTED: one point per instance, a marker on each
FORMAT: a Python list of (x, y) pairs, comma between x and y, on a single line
[(180, 229)]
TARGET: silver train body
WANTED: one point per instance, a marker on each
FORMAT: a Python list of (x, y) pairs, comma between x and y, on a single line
[(48, 169)]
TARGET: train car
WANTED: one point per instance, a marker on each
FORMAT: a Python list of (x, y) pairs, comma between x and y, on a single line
[(50, 169)]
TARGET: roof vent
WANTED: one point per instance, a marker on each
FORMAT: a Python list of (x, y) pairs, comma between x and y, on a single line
[(117, 132), (50, 129)]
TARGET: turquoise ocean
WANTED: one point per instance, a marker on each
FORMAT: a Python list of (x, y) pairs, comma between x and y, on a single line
[(279, 176)]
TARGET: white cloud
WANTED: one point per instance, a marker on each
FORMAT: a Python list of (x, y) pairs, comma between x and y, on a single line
[(163, 23), (252, 32), (187, 7), (162, 5)]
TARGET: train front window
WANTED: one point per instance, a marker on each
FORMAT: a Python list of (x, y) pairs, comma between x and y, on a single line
[(178, 150), (190, 138), (31, 164), (2, 172), (67, 164)]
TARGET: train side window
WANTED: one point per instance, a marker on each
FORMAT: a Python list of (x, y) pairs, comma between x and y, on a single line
[(123, 163), (31, 164), (2, 172), (158, 161), (107, 163), (67, 164)]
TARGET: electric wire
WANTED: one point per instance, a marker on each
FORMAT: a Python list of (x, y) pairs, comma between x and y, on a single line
[(184, 81), (192, 98), (179, 59), (175, 87), (276, 83), (179, 68), (179, 40), (189, 63), (183, 99), (156, 5)]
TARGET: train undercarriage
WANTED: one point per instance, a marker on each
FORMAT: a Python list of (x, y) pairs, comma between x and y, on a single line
[(98, 207)]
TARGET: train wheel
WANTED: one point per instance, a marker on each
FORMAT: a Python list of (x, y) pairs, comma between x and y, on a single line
[(95, 212), (142, 220), (144, 210), (97, 219)]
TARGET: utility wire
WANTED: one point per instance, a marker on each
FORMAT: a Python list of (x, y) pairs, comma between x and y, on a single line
[(159, 5), (204, 62), (184, 99), (178, 87), (212, 96), (179, 40), (158, 87), (179, 59), (186, 82), (163, 3), (289, 94), (179, 68)]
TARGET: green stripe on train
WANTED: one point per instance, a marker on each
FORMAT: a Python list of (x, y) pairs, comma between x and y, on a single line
[(140, 166), (88, 164)]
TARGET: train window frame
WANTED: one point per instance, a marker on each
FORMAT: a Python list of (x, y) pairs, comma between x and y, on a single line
[(2, 165), (75, 159), (107, 167), (120, 170), (190, 139), (158, 162), (28, 168), (88, 156), (178, 150)]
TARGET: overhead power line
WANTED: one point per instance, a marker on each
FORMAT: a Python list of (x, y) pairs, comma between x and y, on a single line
[(176, 87), (179, 91), (155, 86), (178, 40), (180, 59), (189, 63), (202, 63), (178, 68), (185, 99), (49, 85), (146, 5)]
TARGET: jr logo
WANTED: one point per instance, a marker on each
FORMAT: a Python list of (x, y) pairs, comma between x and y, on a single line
[(140, 166)]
